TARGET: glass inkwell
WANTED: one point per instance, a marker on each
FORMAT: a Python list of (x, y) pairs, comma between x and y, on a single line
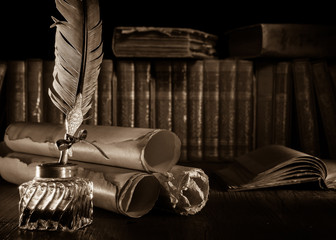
[(56, 199)]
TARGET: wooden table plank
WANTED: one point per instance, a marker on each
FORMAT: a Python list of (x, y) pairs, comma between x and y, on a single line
[(264, 214)]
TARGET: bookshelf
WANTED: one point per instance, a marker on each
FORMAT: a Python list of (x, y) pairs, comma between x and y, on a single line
[(36, 39)]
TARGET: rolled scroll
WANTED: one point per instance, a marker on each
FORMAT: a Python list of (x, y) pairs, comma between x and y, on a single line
[(150, 150), (184, 189), (128, 192)]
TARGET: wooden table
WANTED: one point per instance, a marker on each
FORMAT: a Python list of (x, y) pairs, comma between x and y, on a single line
[(265, 214)]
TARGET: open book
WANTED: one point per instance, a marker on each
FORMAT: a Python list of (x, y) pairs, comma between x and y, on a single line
[(276, 165)]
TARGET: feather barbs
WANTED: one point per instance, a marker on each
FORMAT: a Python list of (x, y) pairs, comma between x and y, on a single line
[(78, 57), (78, 54)]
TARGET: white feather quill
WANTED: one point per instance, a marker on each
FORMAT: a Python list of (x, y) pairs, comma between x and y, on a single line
[(78, 56)]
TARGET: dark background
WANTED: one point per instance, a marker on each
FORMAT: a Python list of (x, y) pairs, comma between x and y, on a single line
[(26, 33)]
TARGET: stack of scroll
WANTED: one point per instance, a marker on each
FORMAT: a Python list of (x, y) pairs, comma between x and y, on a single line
[(141, 166)]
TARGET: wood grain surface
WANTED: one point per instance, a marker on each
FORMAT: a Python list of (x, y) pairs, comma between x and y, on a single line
[(264, 214)]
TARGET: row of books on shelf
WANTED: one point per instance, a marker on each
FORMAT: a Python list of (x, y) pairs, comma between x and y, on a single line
[(219, 108)]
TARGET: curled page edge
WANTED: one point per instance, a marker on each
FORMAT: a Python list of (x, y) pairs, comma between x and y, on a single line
[(187, 189), (128, 192), (150, 150)]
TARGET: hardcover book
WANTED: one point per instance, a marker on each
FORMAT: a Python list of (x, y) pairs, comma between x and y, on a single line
[(265, 74), (51, 113), (142, 104), (282, 41), (282, 103), (211, 110), (326, 102), (276, 166), (305, 101), (195, 80), (163, 94), (105, 92), (3, 70), (227, 108), (125, 93), (16, 99), (180, 104), (35, 89), (163, 42), (244, 107)]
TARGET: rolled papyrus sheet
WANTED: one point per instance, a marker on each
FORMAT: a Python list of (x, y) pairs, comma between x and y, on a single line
[(151, 150), (184, 189), (128, 192)]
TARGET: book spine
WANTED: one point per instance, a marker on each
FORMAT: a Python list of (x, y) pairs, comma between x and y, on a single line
[(142, 93), (264, 73), (227, 109), (244, 107), (152, 96), (105, 93), (35, 90), (211, 110), (3, 70), (282, 111), (114, 97), (16, 91), (326, 102), (163, 94), (125, 93), (306, 107), (195, 81), (180, 104), (51, 113), (332, 70)]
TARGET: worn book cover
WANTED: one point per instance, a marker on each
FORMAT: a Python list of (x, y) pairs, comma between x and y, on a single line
[(284, 40), (195, 79), (162, 70), (105, 92), (180, 104), (51, 113), (125, 93), (142, 104), (227, 109), (282, 103), (326, 102), (265, 74), (211, 110), (245, 107), (16, 92), (35, 89), (305, 101), (163, 42), (3, 70)]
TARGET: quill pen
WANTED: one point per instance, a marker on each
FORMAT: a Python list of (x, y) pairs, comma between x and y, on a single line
[(78, 56)]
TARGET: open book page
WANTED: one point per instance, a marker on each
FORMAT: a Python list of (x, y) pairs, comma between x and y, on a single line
[(331, 170), (272, 165)]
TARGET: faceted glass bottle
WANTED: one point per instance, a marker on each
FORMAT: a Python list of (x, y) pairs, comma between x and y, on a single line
[(56, 199)]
